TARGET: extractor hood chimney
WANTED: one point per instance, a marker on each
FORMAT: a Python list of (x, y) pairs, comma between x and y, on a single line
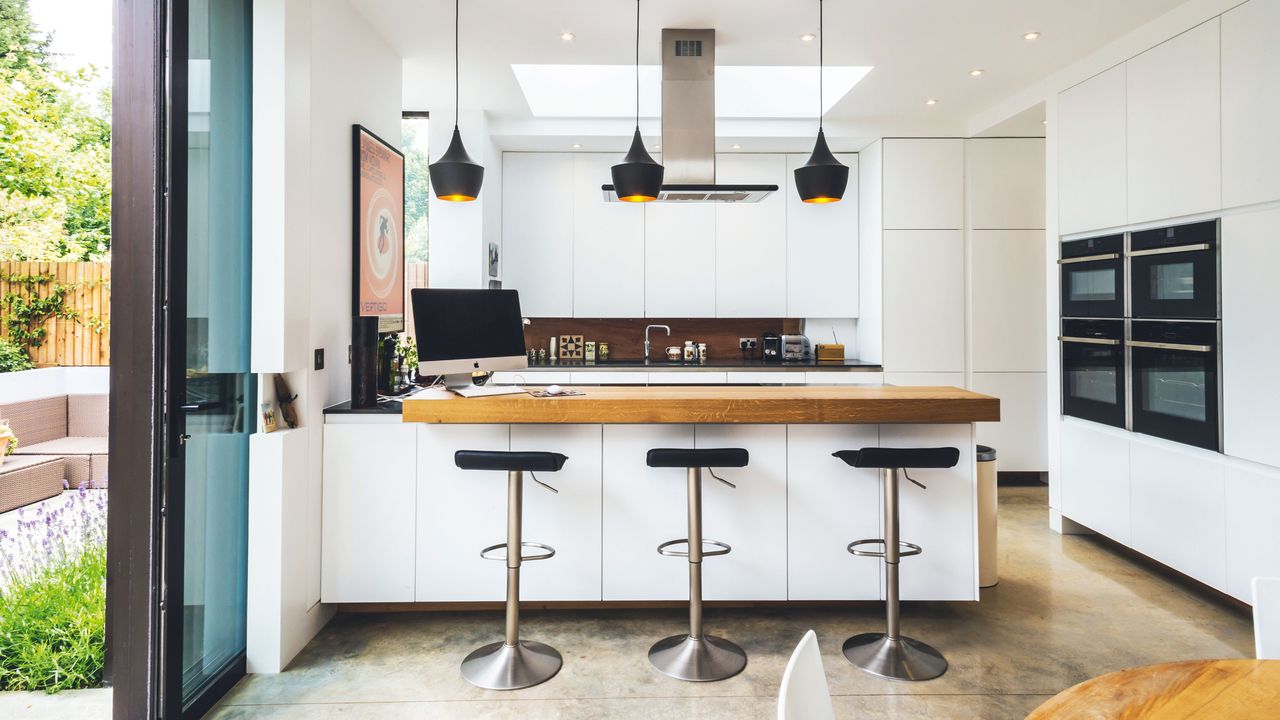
[(689, 124)]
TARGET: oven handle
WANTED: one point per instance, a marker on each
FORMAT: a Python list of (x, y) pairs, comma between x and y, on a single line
[(1170, 346), (1090, 341), (1089, 258), (1168, 250)]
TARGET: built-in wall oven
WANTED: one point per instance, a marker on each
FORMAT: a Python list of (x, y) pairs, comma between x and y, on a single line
[(1093, 370), (1093, 277), (1173, 272), (1176, 370)]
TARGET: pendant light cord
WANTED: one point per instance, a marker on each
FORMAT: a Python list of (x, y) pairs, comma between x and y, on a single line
[(637, 64), (822, 36), (455, 62)]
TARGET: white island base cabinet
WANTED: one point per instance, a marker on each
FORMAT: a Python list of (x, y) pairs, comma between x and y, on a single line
[(404, 524)]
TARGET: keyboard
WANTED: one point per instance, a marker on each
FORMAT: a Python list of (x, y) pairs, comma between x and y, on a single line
[(487, 390)]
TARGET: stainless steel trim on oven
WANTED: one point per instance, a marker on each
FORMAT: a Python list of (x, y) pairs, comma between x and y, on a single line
[(1170, 346), (1168, 250), (1090, 341), (1090, 258)]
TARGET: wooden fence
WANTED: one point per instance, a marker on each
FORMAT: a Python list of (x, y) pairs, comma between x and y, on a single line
[(415, 276), (82, 341)]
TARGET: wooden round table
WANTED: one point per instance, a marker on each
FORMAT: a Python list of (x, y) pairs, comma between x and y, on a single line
[(1199, 689)]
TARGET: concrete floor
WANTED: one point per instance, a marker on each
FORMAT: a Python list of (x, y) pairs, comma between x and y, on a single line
[(1066, 609)]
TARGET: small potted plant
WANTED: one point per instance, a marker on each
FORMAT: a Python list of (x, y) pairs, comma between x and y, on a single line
[(8, 439)]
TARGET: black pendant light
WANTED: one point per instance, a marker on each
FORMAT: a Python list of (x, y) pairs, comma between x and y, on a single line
[(455, 177), (822, 179), (638, 178)]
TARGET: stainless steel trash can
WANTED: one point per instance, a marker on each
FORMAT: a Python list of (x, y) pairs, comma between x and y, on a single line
[(988, 552)]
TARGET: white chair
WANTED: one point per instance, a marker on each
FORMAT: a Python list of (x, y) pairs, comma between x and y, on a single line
[(804, 694), (1266, 617)]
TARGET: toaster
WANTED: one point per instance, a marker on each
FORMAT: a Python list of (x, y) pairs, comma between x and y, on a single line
[(796, 347)]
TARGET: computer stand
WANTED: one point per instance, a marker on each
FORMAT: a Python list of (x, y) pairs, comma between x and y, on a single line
[(460, 383)]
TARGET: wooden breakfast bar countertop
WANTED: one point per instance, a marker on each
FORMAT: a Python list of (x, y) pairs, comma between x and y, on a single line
[(875, 404)]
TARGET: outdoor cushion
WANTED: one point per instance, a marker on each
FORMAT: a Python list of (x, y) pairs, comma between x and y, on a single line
[(87, 415), (64, 446)]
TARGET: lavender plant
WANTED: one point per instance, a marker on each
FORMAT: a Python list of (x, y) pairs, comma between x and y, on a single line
[(53, 571)]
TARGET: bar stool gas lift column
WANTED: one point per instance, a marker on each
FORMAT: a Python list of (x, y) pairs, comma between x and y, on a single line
[(890, 654), (513, 663), (696, 657)]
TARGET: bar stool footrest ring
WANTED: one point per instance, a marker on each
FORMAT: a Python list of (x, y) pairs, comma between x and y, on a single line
[(906, 549), (723, 548), (492, 552)]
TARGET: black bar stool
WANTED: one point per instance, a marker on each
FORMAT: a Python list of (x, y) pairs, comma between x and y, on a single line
[(696, 657), (889, 654), (512, 663)]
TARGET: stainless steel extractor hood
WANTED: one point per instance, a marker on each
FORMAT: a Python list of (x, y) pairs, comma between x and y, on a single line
[(689, 124)]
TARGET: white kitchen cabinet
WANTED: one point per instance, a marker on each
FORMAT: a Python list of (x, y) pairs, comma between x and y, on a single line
[(829, 505), (608, 244), (1091, 154), (537, 231), (822, 248), (923, 184), (1095, 478), (1178, 508), (569, 520), (766, 377), (1250, 343), (849, 377), (947, 569), (1251, 103), (923, 300), (643, 508), (1174, 127), (751, 518), (532, 377), (1253, 535), (688, 377), (1005, 183), (680, 260), (1008, 300), (460, 512), (928, 379), (751, 240), (609, 377), (368, 475), (1021, 436)]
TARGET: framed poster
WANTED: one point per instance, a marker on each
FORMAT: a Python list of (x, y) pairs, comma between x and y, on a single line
[(377, 261)]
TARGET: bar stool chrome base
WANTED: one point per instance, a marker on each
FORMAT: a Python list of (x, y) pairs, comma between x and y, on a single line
[(499, 666), (900, 658), (702, 659)]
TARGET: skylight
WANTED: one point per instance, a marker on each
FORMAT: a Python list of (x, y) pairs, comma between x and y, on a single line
[(742, 91)]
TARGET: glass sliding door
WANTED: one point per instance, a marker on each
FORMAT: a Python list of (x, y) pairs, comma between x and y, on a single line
[(211, 393)]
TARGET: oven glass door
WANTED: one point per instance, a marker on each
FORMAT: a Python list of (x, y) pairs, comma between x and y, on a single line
[(1176, 283), (1093, 384), (1094, 288), (1175, 391)]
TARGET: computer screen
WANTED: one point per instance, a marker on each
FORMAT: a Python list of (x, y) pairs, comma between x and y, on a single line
[(467, 330)]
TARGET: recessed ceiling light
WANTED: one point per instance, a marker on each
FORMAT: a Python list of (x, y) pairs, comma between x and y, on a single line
[(930, 101), (657, 147), (575, 146), (567, 36), (808, 37), (736, 146), (1031, 36), (975, 72), (1044, 122)]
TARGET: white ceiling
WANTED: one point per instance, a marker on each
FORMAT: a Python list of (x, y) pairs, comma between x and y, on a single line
[(919, 49)]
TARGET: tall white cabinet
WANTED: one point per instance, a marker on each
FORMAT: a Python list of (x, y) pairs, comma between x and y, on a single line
[(537, 231), (1092, 184), (823, 248), (1251, 103), (752, 245), (608, 245)]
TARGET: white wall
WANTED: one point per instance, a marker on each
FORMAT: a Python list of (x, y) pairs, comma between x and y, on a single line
[(319, 67), (52, 381), (461, 231)]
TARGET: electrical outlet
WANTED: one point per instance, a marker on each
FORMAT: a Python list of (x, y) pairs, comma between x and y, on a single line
[(319, 359), (747, 343)]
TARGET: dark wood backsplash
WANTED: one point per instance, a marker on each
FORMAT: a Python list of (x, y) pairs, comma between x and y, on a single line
[(626, 335)]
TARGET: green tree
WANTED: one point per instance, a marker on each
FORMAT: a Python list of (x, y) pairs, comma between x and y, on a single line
[(55, 158), (417, 187)]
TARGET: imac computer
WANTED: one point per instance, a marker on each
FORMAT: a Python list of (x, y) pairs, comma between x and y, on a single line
[(461, 332)]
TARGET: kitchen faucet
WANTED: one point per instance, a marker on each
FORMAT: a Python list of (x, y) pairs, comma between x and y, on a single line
[(646, 338)]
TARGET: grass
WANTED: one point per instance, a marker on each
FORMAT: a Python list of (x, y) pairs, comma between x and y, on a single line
[(53, 597)]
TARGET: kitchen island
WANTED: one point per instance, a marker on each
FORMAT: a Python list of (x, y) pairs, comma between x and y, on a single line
[(402, 524)]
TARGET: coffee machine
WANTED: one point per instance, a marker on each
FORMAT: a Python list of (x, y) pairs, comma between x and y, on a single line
[(771, 347)]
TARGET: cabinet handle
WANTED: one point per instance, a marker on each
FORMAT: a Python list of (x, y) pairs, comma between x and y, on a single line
[(1090, 341), (1169, 250), (1170, 346), (1089, 258)]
